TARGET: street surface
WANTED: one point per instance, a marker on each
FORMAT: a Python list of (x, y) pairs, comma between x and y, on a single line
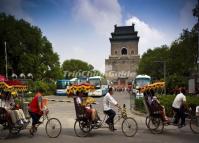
[(65, 112)]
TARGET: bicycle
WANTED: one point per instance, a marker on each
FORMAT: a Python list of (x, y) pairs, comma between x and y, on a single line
[(156, 124), (53, 126), (83, 126), (194, 123)]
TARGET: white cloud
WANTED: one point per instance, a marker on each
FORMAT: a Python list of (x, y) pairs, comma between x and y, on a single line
[(100, 14), (149, 36)]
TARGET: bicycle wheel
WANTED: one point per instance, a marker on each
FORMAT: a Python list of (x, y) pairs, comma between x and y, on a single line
[(194, 125), (129, 127), (4, 130), (147, 121), (81, 128), (33, 131), (53, 128), (156, 125)]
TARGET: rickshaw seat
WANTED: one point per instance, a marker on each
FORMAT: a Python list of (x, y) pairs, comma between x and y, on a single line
[(80, 111), (3, 115)]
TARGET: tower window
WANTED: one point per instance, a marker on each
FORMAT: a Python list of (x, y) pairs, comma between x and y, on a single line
[(115, 52), (132, 52), (124, 51)]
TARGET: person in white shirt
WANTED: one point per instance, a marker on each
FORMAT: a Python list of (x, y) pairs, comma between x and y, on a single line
[(178, 107), (107, 101)]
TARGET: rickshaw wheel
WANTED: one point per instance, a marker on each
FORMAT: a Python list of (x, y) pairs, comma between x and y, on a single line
[(82, 128), (4, 130), (194, 124), (156, 125)]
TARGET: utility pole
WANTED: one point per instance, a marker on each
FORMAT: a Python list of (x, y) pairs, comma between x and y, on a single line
[(164, 68), (196, 14), (6, 60)]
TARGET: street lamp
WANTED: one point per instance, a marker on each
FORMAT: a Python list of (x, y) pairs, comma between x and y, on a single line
[(22, 75), (14, 76), (164, 64), (30, 75)]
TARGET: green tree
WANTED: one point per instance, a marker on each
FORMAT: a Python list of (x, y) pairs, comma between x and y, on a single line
[(27, 49), (183, 54), (79, 67), (149, 65), (180, 57), (76, 65)]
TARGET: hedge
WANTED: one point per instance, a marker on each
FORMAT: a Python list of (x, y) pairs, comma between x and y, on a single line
[(49, 88), (166, 101)]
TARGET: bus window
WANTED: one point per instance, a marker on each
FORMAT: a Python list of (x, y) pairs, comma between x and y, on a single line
[(62, 86)]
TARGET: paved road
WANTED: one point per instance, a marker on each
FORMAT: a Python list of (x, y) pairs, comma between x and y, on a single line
[(64, 111)]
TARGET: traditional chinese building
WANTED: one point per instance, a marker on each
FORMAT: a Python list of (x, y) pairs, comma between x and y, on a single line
[(121, 66)]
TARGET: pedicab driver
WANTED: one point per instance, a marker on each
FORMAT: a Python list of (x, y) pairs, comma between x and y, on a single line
[(107, 101), (35, 107)]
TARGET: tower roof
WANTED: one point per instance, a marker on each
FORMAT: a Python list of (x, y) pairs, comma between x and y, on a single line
[(124, 33)]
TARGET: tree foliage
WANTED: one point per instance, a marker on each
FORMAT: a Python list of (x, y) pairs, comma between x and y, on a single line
[(28, 51), (75, 68), (180, 58), (76, 65), (151, 62)]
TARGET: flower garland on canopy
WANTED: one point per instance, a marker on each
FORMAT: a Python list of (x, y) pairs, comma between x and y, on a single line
[(154, 86), (79, 88), (13, 89)]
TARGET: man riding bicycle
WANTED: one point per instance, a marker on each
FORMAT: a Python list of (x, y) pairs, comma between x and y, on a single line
[(107, 101)]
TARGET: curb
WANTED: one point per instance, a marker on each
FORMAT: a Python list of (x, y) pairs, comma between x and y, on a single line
[(69, 101), (137, 113)]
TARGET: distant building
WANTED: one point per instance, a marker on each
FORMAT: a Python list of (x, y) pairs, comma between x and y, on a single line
[(121, 66)]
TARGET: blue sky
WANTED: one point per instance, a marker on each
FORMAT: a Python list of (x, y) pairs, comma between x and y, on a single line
[(81, 28)]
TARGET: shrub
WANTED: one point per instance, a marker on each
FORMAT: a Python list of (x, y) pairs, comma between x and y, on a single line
[(48, 87), (166, 101), (51, 88), (139, 105)]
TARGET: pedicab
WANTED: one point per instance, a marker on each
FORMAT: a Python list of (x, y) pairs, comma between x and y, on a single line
[(84, 125), (154, 119), (7, 128)]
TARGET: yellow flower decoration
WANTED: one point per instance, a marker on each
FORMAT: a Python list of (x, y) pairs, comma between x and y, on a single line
[(88, 101)]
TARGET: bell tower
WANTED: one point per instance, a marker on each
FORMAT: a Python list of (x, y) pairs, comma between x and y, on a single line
[(121, 66)]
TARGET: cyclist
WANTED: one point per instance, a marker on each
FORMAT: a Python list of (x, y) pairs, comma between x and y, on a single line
[(35, 107), (179, 107), (107, 101)]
